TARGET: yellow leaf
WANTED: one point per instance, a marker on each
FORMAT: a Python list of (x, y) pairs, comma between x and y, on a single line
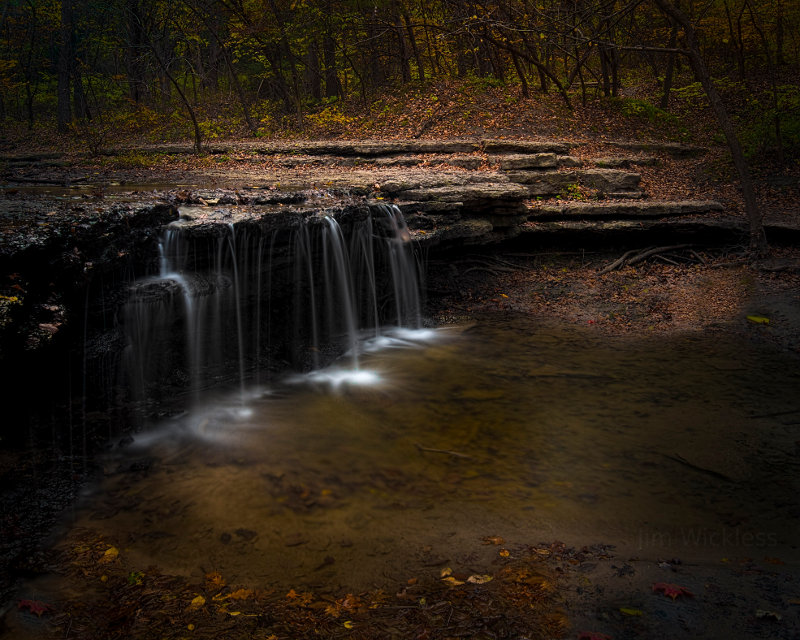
[(504, 553), (452, 581), (215, 579), (479, 579), (347, 624), (445, 572), (190, 627), (503, 295), (241, 594), (197, 602), (629, 611), (234, 613), (111, 554), (758, 319)]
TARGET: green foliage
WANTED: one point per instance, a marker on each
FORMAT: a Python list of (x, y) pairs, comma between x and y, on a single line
[(571, 191), (137, 159), (484, 83), (758, 124), (212, 129), (636, 108), (329, 118)]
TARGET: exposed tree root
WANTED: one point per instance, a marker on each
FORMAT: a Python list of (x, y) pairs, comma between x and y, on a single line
[(635, 256)]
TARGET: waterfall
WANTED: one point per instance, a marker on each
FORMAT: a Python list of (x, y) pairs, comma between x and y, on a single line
[(232, 301)]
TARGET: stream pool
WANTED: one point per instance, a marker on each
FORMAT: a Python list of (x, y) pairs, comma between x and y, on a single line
[(683, 446)]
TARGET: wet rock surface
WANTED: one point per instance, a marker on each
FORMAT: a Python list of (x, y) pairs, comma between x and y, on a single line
[(63, 245)]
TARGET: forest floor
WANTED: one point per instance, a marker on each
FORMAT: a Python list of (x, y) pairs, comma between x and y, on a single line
[(542, 590)]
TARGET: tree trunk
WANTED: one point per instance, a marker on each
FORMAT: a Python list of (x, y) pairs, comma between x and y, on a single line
[(198, 136), (333, 88), (63, 107), (670, 72), (779, 34), (758, 241), (414, 48), (521, 74), (776, 121), (133, 50)]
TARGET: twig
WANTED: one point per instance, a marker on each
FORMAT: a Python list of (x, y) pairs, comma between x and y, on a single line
[(651, 252), (618, 262), (732, 263), (551, 253), (710, 472), (496, 260), (486, 269), (455, 454), (700, 258)]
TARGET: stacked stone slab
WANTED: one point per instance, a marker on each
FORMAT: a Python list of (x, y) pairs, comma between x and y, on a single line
[(456, 192)]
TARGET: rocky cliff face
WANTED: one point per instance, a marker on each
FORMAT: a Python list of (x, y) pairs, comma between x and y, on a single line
[(68, 257)]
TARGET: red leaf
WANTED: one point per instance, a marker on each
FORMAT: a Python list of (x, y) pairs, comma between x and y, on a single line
[(672, 590), (592, 635), (34, 606)]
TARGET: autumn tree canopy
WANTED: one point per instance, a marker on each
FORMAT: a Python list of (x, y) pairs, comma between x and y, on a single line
[(91, 63)]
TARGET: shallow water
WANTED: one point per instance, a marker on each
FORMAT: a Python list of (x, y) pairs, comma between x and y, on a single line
[(682, 446)]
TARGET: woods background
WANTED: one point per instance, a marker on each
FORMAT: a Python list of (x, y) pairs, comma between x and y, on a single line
[(163, 70)]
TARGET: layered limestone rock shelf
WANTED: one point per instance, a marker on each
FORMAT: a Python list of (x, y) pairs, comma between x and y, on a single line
[(68, 255)]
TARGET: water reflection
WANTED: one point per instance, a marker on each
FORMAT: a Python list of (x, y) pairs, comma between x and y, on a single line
[(683, 446)]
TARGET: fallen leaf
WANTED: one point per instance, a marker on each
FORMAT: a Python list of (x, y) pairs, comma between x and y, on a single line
[(479, 579), (135, 578), (215, 580), (34, 606), (452, 581), (445, 572), (347, 624), (671, 590), (504, 553), (241, 594), (496, 540), (111, 554), (761, 614), (758, 319), (629, 611), (197, 602)]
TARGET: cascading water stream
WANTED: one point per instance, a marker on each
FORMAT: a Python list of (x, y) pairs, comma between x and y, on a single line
[(404, 275), (338, 284), (221, 309), (237, 303)]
